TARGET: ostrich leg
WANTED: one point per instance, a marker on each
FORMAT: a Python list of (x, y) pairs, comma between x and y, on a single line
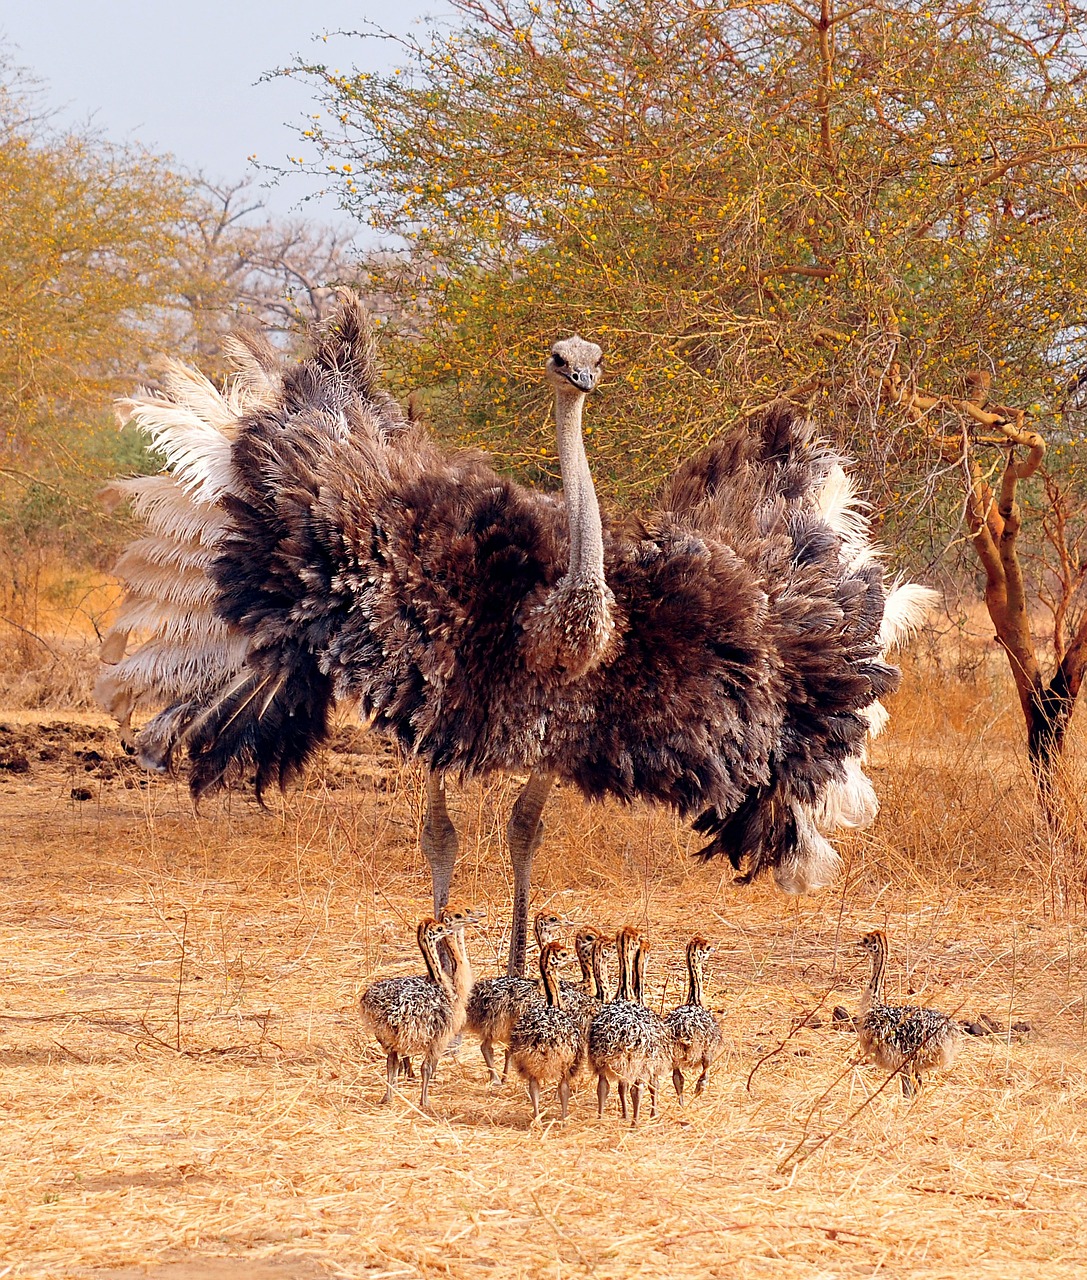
[(438, 840), (524, 833)]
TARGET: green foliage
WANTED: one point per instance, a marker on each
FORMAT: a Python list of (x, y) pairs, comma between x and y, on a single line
[(88, 262), (735, 201), (53, 506)]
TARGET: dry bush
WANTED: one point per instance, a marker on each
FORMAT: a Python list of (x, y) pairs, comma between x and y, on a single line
[(49, 634), (56, 676)]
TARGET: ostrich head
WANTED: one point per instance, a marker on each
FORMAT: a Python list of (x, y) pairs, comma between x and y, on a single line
[(699, 948), (552, 957), (874, 943), (575, 364)]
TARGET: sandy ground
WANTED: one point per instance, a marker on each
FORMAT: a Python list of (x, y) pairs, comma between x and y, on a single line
[(184, 1094)]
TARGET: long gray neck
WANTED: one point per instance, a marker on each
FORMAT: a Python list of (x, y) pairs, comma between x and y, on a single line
[(571, 630), (586, 530)]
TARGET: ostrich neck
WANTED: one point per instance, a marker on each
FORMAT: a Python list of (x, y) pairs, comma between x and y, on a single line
[(463, 976), (639, 977), (873, 993), (571, 629), (552, 988), (544, 933), (624, 989), (694, 981), (583, 510), (434, 969), (598, 976)]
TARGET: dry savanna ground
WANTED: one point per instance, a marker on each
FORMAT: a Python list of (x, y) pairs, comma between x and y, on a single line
[(184, 1092)]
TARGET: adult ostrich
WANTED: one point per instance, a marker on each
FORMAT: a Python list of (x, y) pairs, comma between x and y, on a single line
[(719, 663)]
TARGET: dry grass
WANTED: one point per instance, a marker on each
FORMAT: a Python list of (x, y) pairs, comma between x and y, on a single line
[(50, 636), (183, 1082)]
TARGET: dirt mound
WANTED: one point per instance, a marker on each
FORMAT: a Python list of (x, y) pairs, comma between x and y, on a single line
[(89, 755), (85, 753)]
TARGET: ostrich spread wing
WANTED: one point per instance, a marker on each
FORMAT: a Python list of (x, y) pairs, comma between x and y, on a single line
[(346, 555)]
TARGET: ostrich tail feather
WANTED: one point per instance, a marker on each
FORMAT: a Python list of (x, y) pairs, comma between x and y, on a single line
[(772, 831), (305, 470), (181, 647), (846, 513), (347, 344), (848, 804), (269, 720), (905, 611), (812, 863)]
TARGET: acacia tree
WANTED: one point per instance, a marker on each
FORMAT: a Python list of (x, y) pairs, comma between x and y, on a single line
[(109, 259), (240, 265), (995, 520), (736, 200), (88, 239), (816, 198)]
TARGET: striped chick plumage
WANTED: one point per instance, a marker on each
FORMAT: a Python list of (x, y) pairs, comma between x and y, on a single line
[(414, 1014), (905, 1038), (546, 1042), (495, 1004), (585, 999), (695, 1032), (627, 1042), (407, 1014)]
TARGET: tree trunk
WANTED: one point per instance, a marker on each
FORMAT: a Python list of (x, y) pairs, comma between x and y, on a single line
[(1049, 712)]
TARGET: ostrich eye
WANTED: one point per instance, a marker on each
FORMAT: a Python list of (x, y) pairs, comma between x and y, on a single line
[(559, 361)]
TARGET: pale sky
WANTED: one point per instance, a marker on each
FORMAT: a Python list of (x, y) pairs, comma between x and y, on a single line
[(182, 77)]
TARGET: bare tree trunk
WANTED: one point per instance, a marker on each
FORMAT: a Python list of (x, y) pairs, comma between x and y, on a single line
[(994, 530), (1051, 710)]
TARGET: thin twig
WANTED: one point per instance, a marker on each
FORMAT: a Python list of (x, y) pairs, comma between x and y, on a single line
[(32, 634), (180, 976), (798, 1027)]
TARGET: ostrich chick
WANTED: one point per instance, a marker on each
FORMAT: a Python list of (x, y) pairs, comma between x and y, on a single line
[(413, 1014), (495, 1004), (903, 1038), (453, 918), (696, 1033), (624, 1042), (585, 999), (659, 1057), (546, 1040)]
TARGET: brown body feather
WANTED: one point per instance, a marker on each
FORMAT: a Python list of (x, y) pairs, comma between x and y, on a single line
[(723, 666)]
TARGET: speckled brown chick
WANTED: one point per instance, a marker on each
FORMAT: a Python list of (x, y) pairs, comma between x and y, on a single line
[(546, 1042), (905, 1038), (696, 1033), (416, 1014), (495, 1004)]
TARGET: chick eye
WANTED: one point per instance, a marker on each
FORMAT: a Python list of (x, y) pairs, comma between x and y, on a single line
[(560, 363)]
